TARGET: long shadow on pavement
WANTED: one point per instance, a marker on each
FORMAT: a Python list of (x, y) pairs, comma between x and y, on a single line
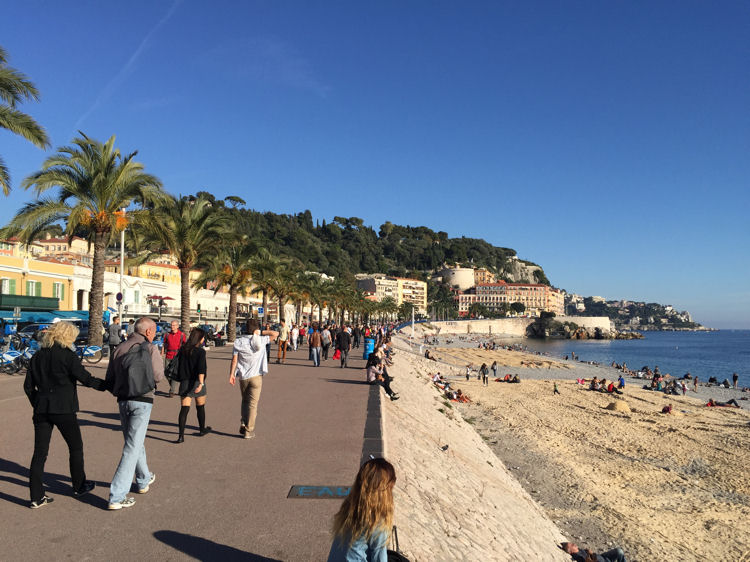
[(56, 484), (204, 549), (346, 381)]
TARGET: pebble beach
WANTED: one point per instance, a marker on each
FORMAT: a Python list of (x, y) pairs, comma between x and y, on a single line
[(604, 470)]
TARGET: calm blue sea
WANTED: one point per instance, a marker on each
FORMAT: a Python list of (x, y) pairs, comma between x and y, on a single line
[(706, 354)]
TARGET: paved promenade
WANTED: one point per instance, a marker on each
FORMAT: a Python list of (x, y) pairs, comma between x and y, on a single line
[(218, 497)]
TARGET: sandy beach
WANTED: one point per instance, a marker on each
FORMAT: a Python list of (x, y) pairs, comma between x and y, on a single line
[(661, 486)]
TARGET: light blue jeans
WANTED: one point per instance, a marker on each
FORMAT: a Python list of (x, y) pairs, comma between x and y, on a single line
[(134, 417), (316, 356)]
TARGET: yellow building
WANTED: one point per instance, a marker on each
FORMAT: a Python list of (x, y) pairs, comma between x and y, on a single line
[(413, 291), (399, 289), (495, 296), (482, 276), (43, 277), (165, 272), (76, 250)]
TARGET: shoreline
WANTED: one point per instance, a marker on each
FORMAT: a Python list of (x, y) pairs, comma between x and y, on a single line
[(459, 353)]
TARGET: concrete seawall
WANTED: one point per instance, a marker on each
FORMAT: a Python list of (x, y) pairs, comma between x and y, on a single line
[(455, 500), (514, 327)]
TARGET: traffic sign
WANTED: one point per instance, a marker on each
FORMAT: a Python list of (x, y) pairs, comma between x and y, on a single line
[(119, 297), (260, 312)]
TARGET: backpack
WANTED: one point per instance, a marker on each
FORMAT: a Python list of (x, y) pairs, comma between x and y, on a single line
[(137, 376)]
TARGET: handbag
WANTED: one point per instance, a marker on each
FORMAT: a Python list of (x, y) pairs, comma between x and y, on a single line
[(337, 354), (172, 372)]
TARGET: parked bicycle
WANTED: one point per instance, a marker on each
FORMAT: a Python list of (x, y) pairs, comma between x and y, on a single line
[(91, 353), (9, 362)]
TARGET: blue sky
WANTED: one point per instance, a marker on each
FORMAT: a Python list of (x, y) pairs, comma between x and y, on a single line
[(606, 141)]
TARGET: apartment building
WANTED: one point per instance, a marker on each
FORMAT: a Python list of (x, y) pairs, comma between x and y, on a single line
[(483, 276), (535, 297), (413, 291), (399, 289)]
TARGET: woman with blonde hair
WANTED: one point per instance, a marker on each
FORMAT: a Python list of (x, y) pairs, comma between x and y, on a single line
[(362, 525), (51, 387)]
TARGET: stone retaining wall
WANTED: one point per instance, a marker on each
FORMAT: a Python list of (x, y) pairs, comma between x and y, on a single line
[(515, 327), (455, 500)]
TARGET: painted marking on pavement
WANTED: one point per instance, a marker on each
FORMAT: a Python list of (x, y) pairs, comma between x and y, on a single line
[(319, 492)]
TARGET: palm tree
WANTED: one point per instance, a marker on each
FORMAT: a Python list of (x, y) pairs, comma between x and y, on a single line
[(318, 293), (280, 279), (265, 267), (388, 307), (16, 88), (230, 268), (191, 230), (300, 292), (96, 183)]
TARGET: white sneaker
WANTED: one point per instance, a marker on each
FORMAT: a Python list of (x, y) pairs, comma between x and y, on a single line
[(127, 502), (147, 487)]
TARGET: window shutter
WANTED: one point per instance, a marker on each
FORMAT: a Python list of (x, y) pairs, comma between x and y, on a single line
[(12, 287), (62, 292)]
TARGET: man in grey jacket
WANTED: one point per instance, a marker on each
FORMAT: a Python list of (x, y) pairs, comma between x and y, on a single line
[(135, 412), (113, 338)]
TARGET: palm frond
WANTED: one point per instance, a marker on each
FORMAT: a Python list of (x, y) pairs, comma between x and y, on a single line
[(23, 125)]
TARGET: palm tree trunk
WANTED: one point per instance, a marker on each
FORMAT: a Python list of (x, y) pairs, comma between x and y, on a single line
[(232, 319), (299, 312), (185, 299), (281, 306), (320, 313), (96, 295)]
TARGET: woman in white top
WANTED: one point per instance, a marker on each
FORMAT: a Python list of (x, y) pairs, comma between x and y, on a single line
[(295, 337), (249, 364)]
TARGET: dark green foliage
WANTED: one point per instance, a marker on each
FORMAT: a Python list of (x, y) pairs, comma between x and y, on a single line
[(347, 245), (518, 307)]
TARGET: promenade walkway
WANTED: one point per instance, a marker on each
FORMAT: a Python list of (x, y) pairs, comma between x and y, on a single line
[(218, 497)]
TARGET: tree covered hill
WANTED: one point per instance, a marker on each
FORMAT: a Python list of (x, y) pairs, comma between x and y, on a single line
[(347, 246)]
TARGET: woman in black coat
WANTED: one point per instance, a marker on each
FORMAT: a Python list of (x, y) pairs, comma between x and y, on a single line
[(51, 387), (191, 370)]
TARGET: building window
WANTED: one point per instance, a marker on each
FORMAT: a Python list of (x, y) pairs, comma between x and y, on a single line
[(34, 288), (137, 297), (8, 286), (58, 291)]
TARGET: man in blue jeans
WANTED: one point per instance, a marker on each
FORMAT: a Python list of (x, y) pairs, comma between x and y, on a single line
[(135, 412)]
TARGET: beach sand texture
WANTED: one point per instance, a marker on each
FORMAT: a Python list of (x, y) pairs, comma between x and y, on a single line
[(462, 356), (664, 487), (454, 499)]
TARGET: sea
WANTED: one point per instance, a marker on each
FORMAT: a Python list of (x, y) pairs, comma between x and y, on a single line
[(705, 354)]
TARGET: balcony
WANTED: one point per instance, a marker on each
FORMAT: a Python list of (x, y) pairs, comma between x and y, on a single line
[(8, 302)]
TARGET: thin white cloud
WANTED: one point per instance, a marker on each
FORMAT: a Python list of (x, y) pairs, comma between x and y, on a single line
[(271, 60), (119, 78)]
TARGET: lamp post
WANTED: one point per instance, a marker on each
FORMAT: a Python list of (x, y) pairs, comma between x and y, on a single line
[(122, 268)]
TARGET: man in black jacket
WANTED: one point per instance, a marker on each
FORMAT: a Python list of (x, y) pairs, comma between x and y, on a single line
[(343, 344), (50, 385)]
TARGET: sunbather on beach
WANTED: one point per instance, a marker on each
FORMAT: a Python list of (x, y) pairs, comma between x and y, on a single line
[(612, 390), (727, 404), (614, 555)]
